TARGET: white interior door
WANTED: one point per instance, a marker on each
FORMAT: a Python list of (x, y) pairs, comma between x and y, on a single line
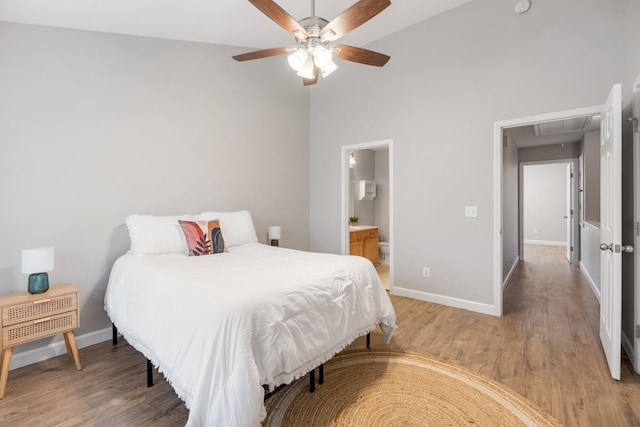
[(569, 216), (611, 229), (636, 214)]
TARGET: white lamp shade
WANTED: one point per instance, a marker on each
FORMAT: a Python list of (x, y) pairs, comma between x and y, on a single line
[(306, 71), (298, 58), (321, 56), (37, 260), (274, 232)]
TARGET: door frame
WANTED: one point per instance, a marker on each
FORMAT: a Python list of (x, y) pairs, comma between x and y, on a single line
[(346, 150), (498, 134), (575, 229), (636, 237)]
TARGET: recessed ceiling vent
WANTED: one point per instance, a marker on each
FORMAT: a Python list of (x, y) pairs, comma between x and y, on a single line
[(580, 124)]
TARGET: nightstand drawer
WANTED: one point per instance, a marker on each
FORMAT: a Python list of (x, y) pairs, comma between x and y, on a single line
[(43, 327), (19, 313)]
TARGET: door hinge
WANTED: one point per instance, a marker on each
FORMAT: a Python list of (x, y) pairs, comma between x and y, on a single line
[(637, 331), (634, 123), (571, 174), (571, 249), (637, 228), (571, 211)]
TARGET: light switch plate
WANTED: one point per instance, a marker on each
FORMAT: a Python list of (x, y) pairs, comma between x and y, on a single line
[(471, 211)]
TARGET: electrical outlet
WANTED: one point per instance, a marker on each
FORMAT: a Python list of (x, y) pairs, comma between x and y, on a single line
[(426, 272)]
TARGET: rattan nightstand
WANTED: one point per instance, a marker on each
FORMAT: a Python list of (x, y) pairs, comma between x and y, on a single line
[(27, 317)]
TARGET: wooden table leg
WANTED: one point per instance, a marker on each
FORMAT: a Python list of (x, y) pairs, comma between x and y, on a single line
[(66, 343), (68, 336), (4, 374)]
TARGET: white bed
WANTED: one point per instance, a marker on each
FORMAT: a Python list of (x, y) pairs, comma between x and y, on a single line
[(219, 326)]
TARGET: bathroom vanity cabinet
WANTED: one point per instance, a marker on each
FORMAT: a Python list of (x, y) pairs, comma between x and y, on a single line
[(363, 241)]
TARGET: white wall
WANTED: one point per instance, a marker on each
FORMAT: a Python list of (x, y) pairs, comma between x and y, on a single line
[(545, 203), (550, 152), (449, 79), (363, 170), (510, 208), (591, 190), (96, 126), (381, 203)]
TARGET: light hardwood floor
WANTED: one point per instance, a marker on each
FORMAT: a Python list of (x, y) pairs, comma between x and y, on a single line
[(383, 272), (545, 347)]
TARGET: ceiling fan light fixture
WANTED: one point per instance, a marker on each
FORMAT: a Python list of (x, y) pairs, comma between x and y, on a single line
[(321, 56), (298, 59), (306, 72), (313, 54), (329, 68)]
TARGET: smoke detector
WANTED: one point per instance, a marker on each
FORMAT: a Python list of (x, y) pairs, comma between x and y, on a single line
[(522, 6)]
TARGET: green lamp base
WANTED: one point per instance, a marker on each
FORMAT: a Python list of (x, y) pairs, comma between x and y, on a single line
[(38, 283)]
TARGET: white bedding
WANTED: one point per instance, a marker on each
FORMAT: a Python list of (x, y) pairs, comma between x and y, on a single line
[(219, 326)]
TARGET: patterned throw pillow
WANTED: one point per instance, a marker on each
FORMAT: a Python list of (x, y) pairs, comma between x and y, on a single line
[(203, 237)]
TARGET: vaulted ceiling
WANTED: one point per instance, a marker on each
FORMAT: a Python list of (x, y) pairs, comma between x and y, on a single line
[(231, 22)]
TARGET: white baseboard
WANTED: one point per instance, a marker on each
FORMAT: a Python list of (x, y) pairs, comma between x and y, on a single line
[(57, 348), (478, 307), (590, 281), (628, 346), (513, 268), (544, 242)]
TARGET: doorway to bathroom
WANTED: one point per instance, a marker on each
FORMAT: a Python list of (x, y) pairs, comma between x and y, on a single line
[(367, 205)]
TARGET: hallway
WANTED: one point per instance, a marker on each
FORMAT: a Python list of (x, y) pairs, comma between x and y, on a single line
[(565, 367)]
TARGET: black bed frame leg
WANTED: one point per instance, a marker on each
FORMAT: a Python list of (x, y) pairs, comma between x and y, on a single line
[(369, 340), (312, 381), (115, 334), (321, 374), (149, 373)]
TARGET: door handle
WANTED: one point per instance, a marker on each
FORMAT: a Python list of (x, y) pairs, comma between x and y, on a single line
[(605, 247), (619, 248)]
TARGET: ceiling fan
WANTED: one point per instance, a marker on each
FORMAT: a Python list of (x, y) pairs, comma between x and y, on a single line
[(314, 35)]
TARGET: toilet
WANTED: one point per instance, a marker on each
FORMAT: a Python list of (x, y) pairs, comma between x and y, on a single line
[(383, 248)]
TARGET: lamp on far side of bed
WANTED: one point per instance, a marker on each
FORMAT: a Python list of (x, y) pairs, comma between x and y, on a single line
[(274, 234), (35, 263)]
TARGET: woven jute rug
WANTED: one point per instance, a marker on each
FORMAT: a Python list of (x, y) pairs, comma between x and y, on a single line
[(385, 388)]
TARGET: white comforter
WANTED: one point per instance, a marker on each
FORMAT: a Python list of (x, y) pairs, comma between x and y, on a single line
[(219, 326)]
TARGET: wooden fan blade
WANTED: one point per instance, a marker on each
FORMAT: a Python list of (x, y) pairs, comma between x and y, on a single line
[(279, 16), (314, 80), (360, 55), (274, 51), (352, 18)]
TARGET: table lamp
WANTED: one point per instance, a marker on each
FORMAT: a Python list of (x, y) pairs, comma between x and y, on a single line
[(274, 234), (35, 263)]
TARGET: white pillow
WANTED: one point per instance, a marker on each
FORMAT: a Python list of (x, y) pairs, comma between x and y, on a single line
[(237, 227), (152, 235)]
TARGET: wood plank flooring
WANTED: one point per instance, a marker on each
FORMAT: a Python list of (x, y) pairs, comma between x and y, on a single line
[(383, 272), (545, 347)]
